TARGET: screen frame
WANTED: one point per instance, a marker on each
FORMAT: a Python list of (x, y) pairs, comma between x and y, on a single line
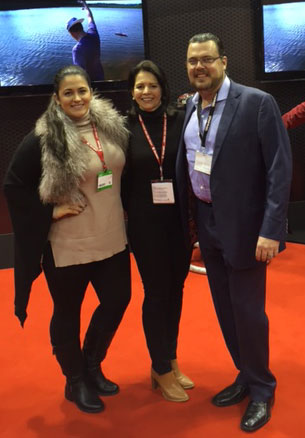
[(261, 74), (47, 89)]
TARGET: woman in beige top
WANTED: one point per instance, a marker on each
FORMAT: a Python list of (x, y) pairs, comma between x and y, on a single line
[(63, 193)]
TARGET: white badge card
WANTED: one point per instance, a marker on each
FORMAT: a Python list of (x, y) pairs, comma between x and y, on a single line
[(104, 180), (203, 163), (163, 192)]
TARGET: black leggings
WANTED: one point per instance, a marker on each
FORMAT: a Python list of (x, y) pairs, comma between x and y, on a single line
[(163, 263), (111, 281)]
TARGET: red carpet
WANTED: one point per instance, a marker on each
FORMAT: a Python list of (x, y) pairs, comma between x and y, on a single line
[(31, 389)]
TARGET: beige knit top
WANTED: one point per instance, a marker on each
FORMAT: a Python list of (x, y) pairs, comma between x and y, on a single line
[(99, 231)]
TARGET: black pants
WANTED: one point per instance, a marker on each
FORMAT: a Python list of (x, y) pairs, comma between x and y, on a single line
[(239, 300), (163, 263), (111, 281)]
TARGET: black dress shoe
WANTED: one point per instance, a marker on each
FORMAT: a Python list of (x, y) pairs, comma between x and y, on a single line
[(257, 414), (230, 396)]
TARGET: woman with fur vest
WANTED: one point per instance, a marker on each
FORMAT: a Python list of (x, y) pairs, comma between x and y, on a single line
[(63, 193)]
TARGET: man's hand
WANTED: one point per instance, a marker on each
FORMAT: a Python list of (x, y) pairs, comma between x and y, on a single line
[(266, 249), (88, 11), (60, 211), (83, 3)]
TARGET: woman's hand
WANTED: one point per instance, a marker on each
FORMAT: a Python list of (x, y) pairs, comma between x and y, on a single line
[(60, 211)]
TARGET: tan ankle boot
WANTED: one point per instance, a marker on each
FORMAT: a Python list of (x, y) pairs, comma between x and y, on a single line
[(184, 381), (170, 388)]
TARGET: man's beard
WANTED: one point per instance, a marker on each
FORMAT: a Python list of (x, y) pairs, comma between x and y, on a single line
[(212, 84)]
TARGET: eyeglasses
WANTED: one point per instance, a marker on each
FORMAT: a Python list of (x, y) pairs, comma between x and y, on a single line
[(205, 60)]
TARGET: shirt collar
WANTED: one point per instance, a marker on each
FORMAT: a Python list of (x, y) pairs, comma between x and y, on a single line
[(222, 93)]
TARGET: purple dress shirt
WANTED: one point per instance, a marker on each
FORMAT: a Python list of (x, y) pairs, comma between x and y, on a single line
[(201, 181)]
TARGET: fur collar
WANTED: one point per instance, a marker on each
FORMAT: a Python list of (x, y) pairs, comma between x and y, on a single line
[(60, 179)]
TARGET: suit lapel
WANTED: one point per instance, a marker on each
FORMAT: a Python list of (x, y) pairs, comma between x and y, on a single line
[(230, 108), (188, 112)]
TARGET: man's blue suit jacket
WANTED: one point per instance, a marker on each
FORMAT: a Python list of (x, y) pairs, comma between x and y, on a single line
[(250, 177)]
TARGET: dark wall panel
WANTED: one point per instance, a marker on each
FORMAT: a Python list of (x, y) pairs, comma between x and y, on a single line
[(17, 115)]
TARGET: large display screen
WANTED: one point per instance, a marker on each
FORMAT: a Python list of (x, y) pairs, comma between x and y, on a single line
[(281, 40), (35, 42)]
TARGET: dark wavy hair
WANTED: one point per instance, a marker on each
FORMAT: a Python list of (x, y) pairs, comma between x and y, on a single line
[(150, 67)]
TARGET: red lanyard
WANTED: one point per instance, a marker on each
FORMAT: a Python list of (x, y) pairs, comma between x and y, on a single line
[(99, 149), (159, 160)]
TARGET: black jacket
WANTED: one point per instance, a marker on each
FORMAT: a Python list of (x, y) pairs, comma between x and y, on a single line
[(30, 218)]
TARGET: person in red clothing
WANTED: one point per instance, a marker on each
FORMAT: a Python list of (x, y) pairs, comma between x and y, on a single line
[(295, 117)]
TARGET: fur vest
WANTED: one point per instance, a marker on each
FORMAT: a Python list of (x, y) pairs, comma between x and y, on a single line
[(60, 179)]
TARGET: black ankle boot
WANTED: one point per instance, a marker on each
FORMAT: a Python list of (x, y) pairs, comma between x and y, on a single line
[(102, 385), (96, 344), (77, 390), (85, 398)]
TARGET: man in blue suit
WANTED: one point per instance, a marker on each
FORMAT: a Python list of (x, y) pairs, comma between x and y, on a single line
[(235, 154)]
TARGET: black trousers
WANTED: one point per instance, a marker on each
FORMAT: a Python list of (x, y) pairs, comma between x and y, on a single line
[(239, 300), (111, 281), (163, 263)]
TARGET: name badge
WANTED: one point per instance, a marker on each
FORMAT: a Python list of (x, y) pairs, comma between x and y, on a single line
[(163, 192), (104, 180), (203, 163)]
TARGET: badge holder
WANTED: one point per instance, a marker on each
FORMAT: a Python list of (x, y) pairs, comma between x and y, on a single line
[(104, 180), (163, 191)]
